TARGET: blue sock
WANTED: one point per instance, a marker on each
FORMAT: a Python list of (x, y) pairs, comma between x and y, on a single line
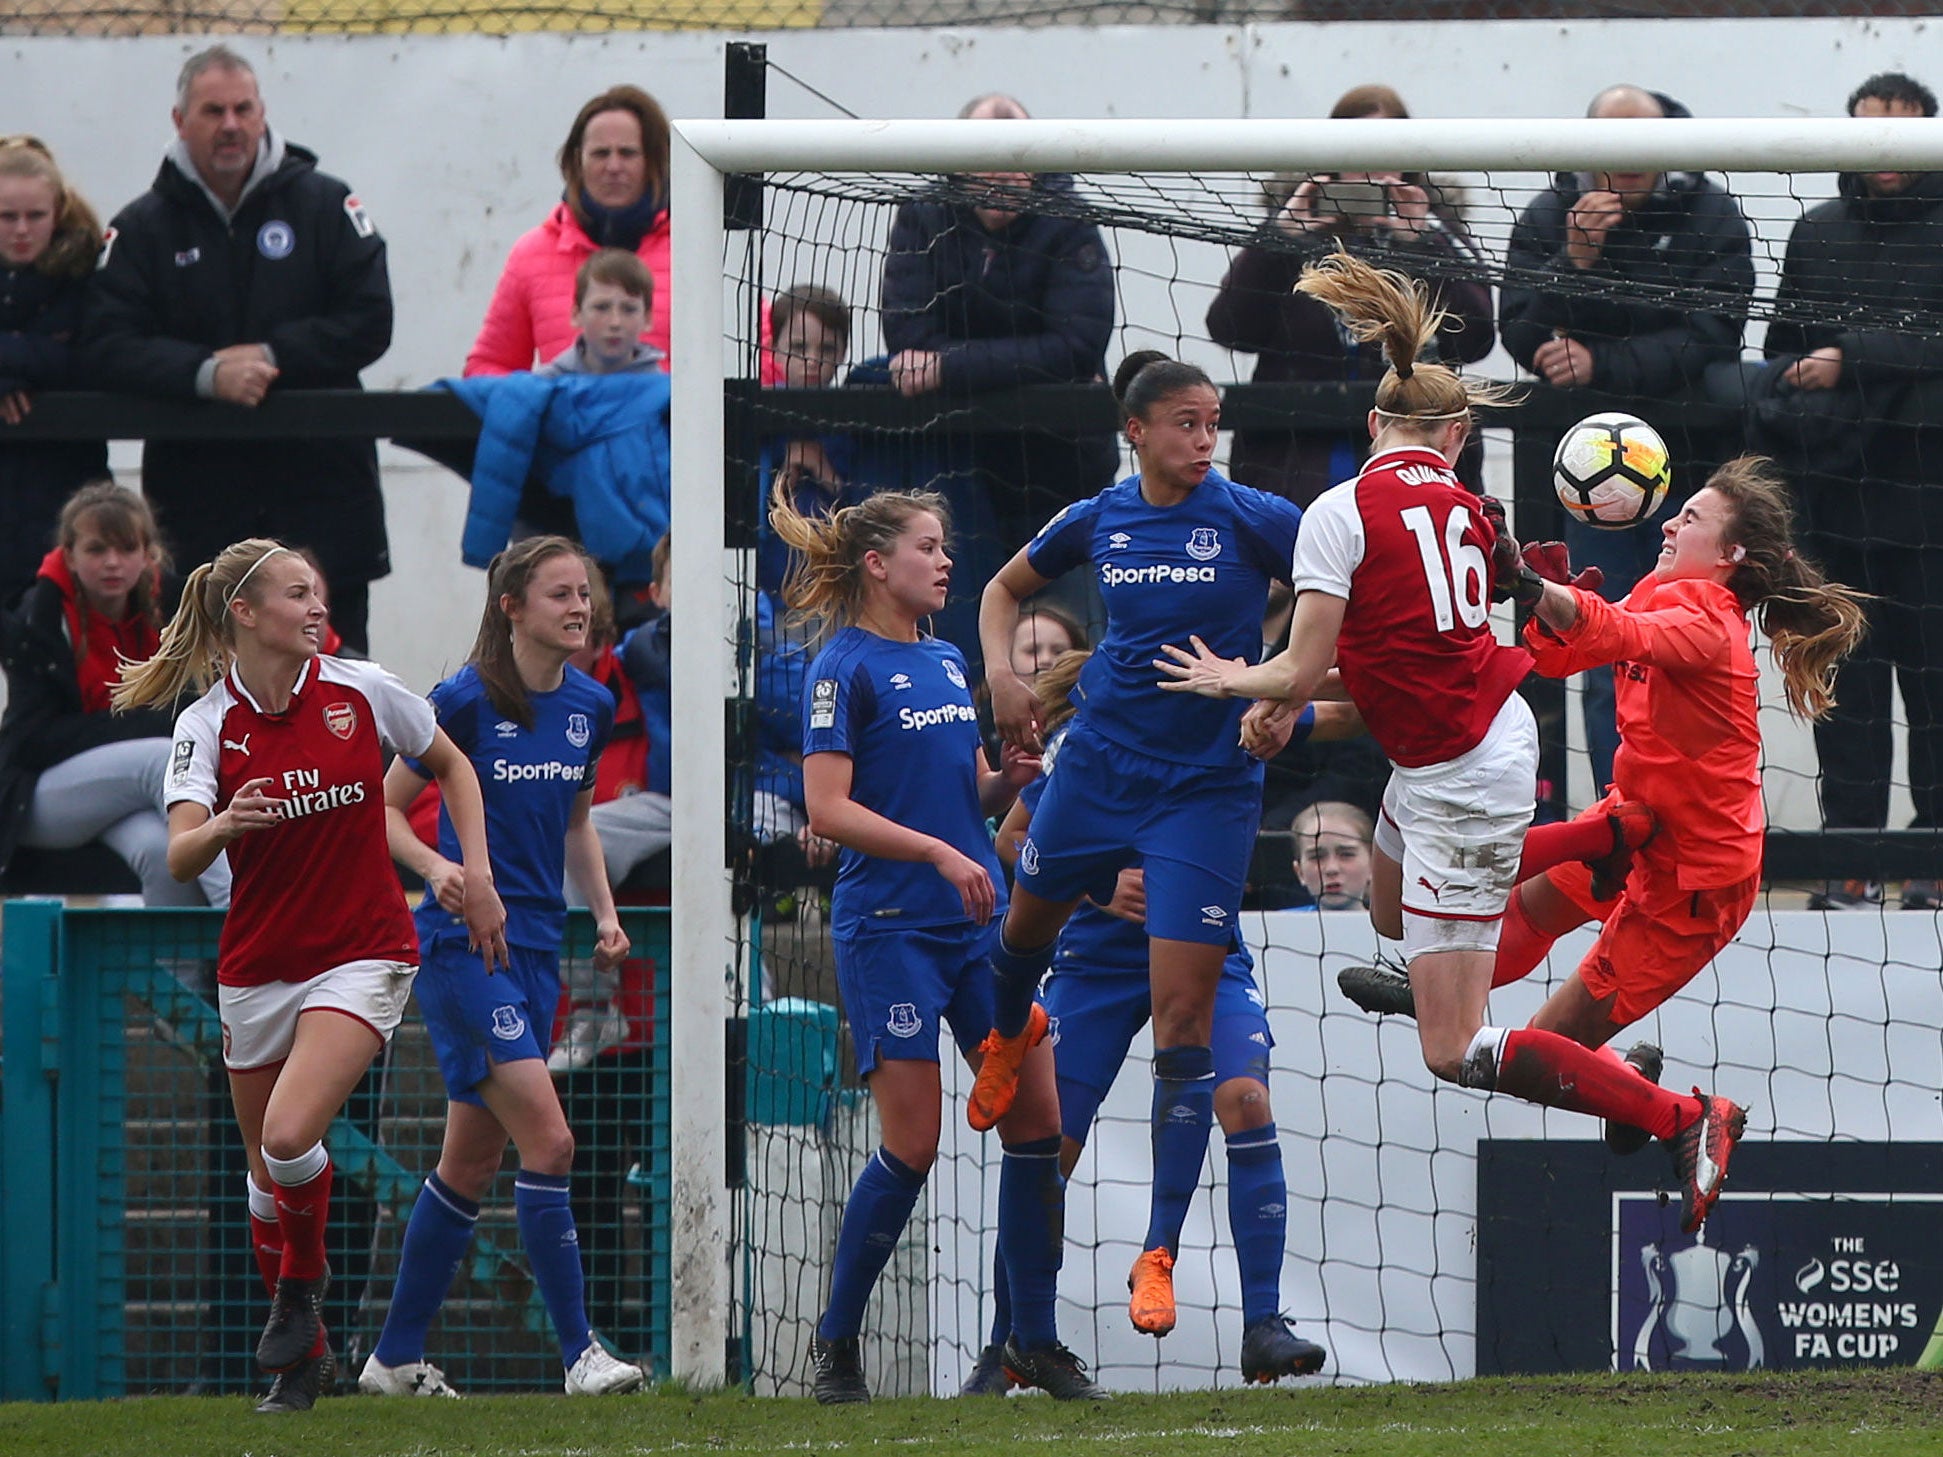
[(1258, 1218), (1016, 976), (552, 1244), (1183, 1114), (880, 1206), (436, 1239), (1001, 1301), (1032, 1237)]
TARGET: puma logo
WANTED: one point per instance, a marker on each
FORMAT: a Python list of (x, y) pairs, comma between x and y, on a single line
[(242, 746), (1436, 891)]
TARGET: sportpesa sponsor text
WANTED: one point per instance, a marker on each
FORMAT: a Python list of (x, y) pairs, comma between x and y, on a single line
[(507, 773), (924, 718), (1158, 575)]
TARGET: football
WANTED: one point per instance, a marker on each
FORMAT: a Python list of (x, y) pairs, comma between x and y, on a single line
[(1611, 471)]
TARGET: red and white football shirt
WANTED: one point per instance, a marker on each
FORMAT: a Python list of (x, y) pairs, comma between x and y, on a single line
[(1406, 546), (317, 890)]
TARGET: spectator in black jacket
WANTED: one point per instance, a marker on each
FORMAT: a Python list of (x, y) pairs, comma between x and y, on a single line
[(242, 269), (1630, 283), (48, 241), (1857, 342), (984, 290)]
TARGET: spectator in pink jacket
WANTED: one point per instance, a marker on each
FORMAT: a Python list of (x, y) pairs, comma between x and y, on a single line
[(615, 165)]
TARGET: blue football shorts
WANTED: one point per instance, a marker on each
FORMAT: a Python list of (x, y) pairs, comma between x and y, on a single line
[(900, 986), (476, 1020)]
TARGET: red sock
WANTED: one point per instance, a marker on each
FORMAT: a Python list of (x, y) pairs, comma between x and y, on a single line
[(266, 1240), (1543, 1067), (1521, 945), (1563, 843), (301, 1212)]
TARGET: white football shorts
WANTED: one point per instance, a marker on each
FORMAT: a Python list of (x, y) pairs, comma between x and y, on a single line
[(260, 1023)]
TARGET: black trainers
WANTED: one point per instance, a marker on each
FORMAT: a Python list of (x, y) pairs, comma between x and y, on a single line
[(296, 1316), (988, 1376), (298, 1388), (1270, 1351), (1054, 1370), (1622, 1138), (1382, 989), (839, 1371), (1701, 1152)]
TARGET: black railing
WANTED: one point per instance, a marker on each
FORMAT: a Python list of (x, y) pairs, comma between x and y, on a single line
[(437, 424)]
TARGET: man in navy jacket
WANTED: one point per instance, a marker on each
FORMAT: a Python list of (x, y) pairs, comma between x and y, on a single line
[(992, 295), (243, 268)]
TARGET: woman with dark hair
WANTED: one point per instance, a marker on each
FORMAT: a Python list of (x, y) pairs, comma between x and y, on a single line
[(48, 241), (1143, 776), (1406, 221), (614, 164), (534, 728)]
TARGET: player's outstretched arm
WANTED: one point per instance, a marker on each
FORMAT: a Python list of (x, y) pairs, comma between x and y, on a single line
[(1295, 673)]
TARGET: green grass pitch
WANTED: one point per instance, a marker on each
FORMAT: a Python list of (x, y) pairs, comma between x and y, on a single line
[(1873, 1414)]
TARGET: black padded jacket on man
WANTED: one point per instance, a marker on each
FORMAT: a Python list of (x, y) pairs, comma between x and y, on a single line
[(299, 267)]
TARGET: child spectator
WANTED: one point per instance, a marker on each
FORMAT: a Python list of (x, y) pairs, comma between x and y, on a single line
[(809, 329), (613, 299), (1332, 854), (591, 426), (48, 241), (70, 771)]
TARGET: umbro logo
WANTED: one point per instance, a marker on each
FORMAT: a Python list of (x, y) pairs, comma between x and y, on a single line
[(1214, 915), (900, 681), (506, 729), (1181, 1113), (1119, 540)]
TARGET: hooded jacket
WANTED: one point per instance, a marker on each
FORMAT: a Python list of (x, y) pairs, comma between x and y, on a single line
[(50, 685), (1864, 274), (299, 267), (1667, 297), (598, 440), (531, 314)]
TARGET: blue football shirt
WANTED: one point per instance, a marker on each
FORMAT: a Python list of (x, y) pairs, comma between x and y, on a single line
[(903, 713), (1202, 567), (529, 778)]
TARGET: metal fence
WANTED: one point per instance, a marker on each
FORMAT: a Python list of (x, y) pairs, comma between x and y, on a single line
[(125, 1260)]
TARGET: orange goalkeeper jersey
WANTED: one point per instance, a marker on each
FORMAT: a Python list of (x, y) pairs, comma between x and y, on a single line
[(1687, 692)]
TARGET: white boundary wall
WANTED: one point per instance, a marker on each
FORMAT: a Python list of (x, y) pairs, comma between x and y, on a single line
[(1827, 1027)]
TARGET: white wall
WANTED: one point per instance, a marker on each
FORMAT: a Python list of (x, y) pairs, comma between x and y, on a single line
[(449, 140), (1824, 1027)]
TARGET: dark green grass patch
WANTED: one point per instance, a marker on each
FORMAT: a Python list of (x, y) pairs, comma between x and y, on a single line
[(1874, 1414)]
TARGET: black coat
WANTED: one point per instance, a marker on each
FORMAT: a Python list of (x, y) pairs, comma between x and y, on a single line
[(299, 268), (39, 317), (1865, 275), (1029, 304), (44, 723), (1667, 297)]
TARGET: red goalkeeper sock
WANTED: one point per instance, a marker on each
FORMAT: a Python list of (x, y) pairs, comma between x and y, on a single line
[(1543, 1067), (1521, 945), (1562, 844)]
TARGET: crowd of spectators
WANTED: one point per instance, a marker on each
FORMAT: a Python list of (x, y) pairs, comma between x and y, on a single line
[(244, 270)]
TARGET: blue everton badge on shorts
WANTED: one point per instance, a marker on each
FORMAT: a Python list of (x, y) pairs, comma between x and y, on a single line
[(507, 1024), (276, 239), (905, 1021)]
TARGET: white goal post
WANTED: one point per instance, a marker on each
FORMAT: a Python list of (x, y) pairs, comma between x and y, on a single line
[(699, 985)]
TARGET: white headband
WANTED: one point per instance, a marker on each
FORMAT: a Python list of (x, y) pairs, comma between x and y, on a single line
[(237, 589), (1447, 415)]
